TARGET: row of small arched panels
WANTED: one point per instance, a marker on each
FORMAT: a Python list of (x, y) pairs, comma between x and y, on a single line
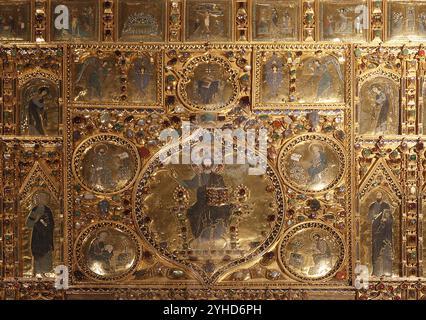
[(221, 80), (219, 20)]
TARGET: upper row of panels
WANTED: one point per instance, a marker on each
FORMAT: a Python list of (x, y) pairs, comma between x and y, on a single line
[(215, 21)]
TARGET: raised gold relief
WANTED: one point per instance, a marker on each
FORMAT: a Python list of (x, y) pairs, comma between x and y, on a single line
[(276, 20), (40, 113), (406, 20), (15, 20), (320, 79), (141, 20), (208, 20), (344, 20), (75, 20), (379, 111), (379, 231)]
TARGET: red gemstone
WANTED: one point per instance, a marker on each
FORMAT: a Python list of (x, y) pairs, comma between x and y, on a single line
[(144, 152), (276, 124)]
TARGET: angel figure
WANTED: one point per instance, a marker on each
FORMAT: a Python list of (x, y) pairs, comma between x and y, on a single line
[(91, 77), (273, 76), (322, 70), (381, 109), (141, 75)]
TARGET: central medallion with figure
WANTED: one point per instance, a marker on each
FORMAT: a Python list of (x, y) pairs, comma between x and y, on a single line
[(209, 216)]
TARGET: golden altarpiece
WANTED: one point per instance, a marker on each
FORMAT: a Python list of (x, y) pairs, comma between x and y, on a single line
[(88, 88)]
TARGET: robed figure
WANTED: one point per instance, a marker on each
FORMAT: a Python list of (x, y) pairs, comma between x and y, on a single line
[(41, 222), (381, 218), (209, 215), (382, 106), (37, 112)]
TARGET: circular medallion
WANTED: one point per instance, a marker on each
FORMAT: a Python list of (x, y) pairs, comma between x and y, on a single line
[(107, 251), (311, 251), (208, 217), (312, 163), (106, 164), (208, 83)]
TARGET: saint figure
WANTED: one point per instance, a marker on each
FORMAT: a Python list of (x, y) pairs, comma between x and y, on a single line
[(40, 221), (379, 213)]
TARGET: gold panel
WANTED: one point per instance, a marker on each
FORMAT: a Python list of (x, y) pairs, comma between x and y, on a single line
[(222, 149)]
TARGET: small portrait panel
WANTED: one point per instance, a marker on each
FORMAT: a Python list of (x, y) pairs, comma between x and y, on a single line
[(109, 252), (40, 235), (379, 233), (344, 20), (15, 20), (208, 21), (320, 80), (142, 79), (208, 83), (75, 20), (39, 108), (210, 86), (379, 107), (406, 20), (275, 80), (312, 251), (107, 167), (312, 164), (106, 164), (276, 20), (96, 79), (141, 20)]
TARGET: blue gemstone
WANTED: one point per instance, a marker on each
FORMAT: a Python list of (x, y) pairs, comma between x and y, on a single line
[(103, 207)]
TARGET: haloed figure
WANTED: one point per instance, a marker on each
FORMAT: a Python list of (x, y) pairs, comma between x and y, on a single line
[(40, 221), (381, 218), (37, 112), (381, 108), (209, 215)]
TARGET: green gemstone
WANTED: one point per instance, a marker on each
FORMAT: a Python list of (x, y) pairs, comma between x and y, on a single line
[(358, 52)]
